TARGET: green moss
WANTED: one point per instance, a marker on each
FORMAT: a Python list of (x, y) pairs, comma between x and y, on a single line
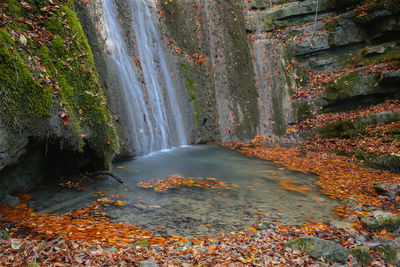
[(75, 96), (387, 253), (278, 116), (362, 254), (14, 9), (318, 248), (191, 88), (295, 76), (390, 55), (4, 234), (23, 99), (331, 27), (269, 22), (368, 11), (342, 87), (302, 110), (302, 76), (335, 130), (384, 162), (282, 2), (81, 94), (260, 4)]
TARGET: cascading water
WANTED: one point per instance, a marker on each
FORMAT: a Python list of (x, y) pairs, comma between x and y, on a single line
[(153, 130)]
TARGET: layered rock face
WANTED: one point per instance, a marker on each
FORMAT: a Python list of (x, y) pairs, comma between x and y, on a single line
[(332, 35), (344, 59), (286, 40), (53, 116)]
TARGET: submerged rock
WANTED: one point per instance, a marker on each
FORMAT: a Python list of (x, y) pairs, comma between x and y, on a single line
[(350, 202), (263, 225), (386, 189), (362, 254), (353, 204), (317, 248), (352, 218), (379, 220), (391, 242), (148, 263), (10, 201), (277, 216)]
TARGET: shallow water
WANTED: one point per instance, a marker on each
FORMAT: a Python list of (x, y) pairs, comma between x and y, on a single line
[(265, 190)]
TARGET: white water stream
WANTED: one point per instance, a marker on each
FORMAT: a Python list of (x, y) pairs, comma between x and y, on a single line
[(147, 105)]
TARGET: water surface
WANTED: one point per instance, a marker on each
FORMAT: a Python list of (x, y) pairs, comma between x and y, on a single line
[(265, 191)]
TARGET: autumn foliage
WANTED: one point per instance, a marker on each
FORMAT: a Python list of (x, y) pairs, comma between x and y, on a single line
[(175, 181)]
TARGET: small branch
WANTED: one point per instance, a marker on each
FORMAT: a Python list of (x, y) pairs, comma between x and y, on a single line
[(106, 173)]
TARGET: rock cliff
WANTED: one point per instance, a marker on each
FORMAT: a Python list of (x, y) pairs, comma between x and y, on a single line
[(54, 119), (270, 67), (344, 59)]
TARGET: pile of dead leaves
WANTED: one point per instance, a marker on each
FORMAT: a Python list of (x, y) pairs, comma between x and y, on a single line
[(85, 237), (247, 248), (175, 181), (90, 224)]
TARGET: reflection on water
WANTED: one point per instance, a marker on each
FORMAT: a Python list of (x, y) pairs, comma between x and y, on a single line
[(265, 190)]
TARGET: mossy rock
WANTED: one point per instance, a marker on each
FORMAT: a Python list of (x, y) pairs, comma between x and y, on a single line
[(358, 126), (388, 253), (386, 189), (71, 110), (269, 22), (349, 85), (374, 9), (319, 248), (4, 234), (384, 162), (23, 100), (331, 26), (302, 110), (362, 254), (379, 220)]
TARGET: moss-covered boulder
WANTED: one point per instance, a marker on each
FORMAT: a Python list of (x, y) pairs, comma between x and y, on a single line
[(49, 89), (388, 253), (319, 248), (362, 254), (379, 220)]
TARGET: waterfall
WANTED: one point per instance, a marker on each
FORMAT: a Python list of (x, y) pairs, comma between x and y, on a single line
[(147, 105)]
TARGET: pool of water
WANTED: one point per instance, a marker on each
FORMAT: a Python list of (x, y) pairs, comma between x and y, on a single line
[(264, 191)]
